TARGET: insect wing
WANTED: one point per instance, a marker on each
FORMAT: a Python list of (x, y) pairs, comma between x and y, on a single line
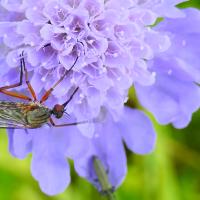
[(12, 115), (4, 124)]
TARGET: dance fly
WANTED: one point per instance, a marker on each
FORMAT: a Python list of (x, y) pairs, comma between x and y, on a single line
[(34, 113)]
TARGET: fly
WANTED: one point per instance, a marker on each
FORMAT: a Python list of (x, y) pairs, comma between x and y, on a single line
[(33, 114)]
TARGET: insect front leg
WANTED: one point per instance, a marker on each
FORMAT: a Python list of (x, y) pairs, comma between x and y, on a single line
[(48, 93), (67, 124)]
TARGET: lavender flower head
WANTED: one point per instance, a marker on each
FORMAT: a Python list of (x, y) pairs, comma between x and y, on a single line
[(116, 48)]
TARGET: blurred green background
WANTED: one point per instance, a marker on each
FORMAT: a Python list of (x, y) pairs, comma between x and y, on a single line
[(171, 172)]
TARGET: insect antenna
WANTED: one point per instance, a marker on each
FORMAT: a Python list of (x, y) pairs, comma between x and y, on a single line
[(70, 98), (66, 114)]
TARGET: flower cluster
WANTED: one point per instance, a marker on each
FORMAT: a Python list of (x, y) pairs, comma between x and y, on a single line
[(117, 47)]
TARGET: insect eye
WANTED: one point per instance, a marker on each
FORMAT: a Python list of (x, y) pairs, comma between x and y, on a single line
[(58, 111)]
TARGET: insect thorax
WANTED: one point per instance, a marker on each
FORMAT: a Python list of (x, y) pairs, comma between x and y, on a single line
[(38, 115)]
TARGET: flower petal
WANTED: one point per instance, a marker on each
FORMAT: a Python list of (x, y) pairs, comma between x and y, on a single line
[(49, 165), (20, 142), (137, 131)]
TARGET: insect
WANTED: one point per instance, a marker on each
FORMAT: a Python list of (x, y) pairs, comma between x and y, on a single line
[(34, 113), (106, 188)]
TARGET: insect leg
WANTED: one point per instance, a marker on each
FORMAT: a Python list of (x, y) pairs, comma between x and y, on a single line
[(67, 124), (16, 84), (48, 93), (15, 94), (26, 78)]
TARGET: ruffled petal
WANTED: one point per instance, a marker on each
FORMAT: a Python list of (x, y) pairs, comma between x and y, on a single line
[(175, 95)]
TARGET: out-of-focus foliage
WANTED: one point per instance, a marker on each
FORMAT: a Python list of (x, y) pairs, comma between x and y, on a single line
[(190, 3), (171, 172)]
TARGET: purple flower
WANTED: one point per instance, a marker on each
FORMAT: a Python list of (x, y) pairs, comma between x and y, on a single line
[(175, 95), (116, 48), (51, 147)]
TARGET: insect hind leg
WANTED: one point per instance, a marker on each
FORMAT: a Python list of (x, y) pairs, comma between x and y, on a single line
[(31, 90), (16, 84), (4, 89)]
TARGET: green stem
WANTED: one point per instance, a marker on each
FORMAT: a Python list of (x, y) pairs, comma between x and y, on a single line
[(111, 196)]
